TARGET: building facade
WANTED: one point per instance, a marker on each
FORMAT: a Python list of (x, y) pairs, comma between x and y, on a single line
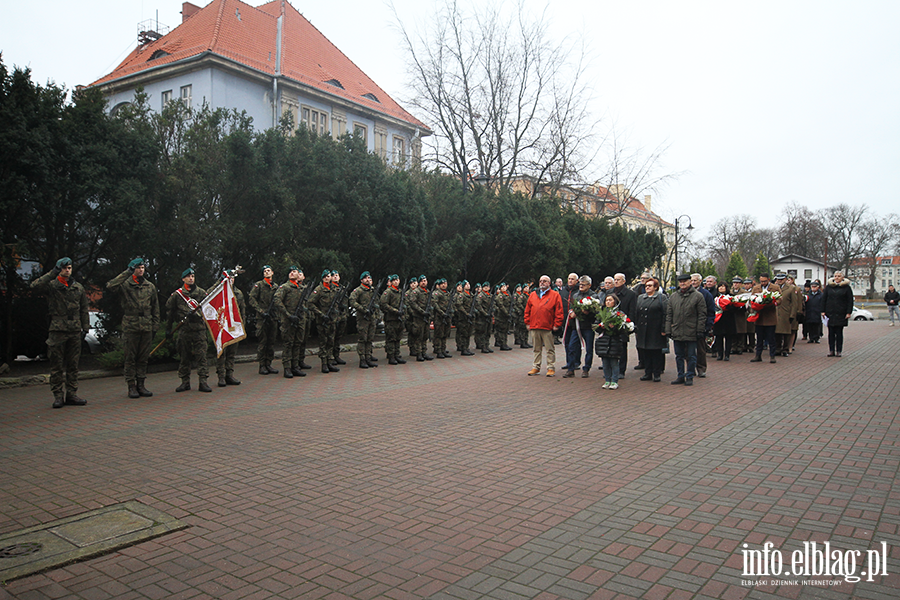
[(270, 62), (887, 273), (801, 268)]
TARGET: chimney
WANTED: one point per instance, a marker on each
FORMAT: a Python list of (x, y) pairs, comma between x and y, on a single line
[(647, 203), (187, 10)]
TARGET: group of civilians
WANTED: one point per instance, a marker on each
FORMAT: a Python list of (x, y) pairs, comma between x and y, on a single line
[(700, 317)]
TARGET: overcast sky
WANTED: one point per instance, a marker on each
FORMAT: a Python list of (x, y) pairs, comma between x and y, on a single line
[(762, 103)]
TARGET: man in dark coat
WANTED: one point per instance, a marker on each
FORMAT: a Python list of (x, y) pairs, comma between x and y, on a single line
[(814, 307), (697, 281), (686, 327)]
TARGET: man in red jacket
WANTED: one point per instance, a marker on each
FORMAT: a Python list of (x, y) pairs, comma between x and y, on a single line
[(543, 315)]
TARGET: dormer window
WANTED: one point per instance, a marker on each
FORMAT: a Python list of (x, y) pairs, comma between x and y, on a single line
[(157, 54), (335, 83), (372, 97)]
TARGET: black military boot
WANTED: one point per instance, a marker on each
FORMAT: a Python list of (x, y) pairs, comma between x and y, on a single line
[(447, 354), (297, 371), (325, 368), (203, 387), (185, 385), (399, 359), (427, 356), (58, 400), (141, 390), (72, 399), (362, 363), (303, 365), (132, 391), (263, 370), (371, 358), (420, 358), (505, 347), (288, 374), (271, 370), (221, 381), (392, 360), (333, 368), (371, 362), (338, 360), (230, 380)]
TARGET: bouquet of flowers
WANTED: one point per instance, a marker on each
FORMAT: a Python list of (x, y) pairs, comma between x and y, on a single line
[(740, 300), (722, 303), (587, 308), (760, 301), (610, 320)]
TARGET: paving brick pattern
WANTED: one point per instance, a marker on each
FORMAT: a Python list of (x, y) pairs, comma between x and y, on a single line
[(464, 478)]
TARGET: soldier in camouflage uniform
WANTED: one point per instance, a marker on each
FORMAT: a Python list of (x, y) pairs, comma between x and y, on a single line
[(342, 313), (360, 300), (407, 315), (502, 306), (262, 300), (483, 318), (393, 322), (320, 303), (521, 327), (464, 302), (192, 337), (225, 361), (69, 323), (286, 304), (140, 305), (440, 302), (420, 321)]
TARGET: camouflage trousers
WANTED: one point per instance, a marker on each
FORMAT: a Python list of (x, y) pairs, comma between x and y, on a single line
[(366, 328), (393, 332), (293, 338), (463, 334), (441, 334), (327, 332), (482, 333), (137, 352), (501, 329), (266, 332), (418, 336), (64, 352), (192, 347), (225, 361)]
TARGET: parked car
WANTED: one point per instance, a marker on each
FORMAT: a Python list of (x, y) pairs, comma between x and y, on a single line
[(91, 344), (861, 314)]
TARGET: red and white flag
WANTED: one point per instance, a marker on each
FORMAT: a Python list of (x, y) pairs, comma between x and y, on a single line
[(220, 310)]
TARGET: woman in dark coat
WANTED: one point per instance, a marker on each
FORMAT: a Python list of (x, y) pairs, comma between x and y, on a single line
[(725, 328), (650, 324), (838, 303)]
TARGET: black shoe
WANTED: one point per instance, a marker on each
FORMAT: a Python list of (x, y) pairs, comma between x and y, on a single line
[(58, 401), (504, 348), (325, 368), (304, 366), (370, 362), (288, 374), (438, 355), (340, 361), (400, 361), (727, 358), (485, 351), (640, 367), (678, 381), (333, 369), (185, 386), (688, 381), (428, 357), (720, 358), (371, 359), (263, 370), (772, 360), (646, 377), (756, 359), (362, 363), (132, 391), (203, 386), (230, 380), (446, 354), (297, 372), (272, 370), (467, 352), (141, 390), (73, 400), (490, 350), (656, 379), (420, 358), (222, 382)]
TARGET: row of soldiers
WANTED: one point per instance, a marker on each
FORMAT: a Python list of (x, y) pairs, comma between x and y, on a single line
[(294, 305)]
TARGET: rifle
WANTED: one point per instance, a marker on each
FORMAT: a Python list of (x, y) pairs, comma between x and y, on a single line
[(301, 304), (428, 305), (490, 314), (448, 316), (370, 308), (402, 289), (471, 314), (335, 302)]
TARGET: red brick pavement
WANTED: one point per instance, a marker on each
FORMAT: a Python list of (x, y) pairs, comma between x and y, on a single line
[(464, 478)]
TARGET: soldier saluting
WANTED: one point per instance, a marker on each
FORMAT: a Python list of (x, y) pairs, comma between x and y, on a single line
[(68, 306), (140, 305), (191, 344)]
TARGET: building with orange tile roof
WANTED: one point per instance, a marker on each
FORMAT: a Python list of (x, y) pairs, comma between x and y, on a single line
[(269, 61)]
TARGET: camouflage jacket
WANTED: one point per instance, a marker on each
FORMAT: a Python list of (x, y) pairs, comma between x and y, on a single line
[(67, 302), (140, 302)]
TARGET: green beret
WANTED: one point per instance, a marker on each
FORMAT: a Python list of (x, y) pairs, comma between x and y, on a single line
[(266, 267), (294, 268), (137, 262), (186, 272), (326, 273), (335, 272), (65, 261), (487, 283), (393, 277), (421, 277), (364, 274)]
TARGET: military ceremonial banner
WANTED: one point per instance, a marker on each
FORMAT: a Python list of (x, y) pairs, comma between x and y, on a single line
[(220, 310)]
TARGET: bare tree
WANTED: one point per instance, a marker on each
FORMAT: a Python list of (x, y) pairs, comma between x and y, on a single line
[(877, 235), (842, 224), (504, 99), (801, 232), (734, 234)]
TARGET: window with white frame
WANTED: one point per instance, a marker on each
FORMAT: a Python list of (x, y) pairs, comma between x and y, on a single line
[(166, 97), (807, 273), (380, 143), (399, 151), (362, 131), (338, 124), (186, 95), (315, 119)]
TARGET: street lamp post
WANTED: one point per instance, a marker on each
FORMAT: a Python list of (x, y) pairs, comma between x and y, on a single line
[(690, 227)]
